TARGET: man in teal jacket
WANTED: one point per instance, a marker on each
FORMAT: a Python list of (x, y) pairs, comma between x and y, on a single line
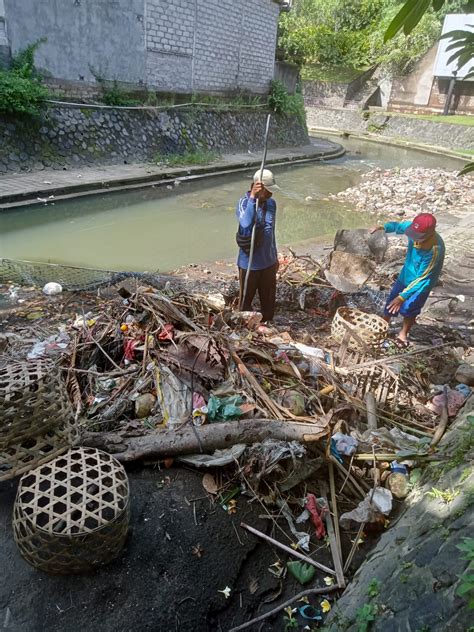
[(420, 273)]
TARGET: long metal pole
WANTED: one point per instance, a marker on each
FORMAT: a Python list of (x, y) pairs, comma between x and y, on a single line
[(252, 241)]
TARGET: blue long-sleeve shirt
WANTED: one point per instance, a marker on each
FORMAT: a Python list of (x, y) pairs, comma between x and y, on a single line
[(423, 262), (265, 255)]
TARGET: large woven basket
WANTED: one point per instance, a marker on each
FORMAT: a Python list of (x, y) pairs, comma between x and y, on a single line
[(36, 416), (71, 514), (370, 328)]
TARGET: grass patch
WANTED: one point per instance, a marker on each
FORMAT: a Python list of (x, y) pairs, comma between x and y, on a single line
[(461, 152), (329, 74), (450, 119), (198, 157)]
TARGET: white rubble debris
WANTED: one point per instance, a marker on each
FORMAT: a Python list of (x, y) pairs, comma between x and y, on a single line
[(410, 191)]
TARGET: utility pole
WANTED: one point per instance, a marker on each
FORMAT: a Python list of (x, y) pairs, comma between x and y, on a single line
[(449, 96)]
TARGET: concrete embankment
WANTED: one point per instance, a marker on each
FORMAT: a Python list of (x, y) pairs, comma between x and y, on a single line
[(388, 127)]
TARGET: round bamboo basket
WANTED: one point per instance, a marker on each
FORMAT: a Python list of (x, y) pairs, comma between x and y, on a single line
[(36, 416), (370, 328), (71, 514)]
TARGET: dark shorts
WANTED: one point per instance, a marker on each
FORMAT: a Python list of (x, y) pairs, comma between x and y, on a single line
[(412, 306)]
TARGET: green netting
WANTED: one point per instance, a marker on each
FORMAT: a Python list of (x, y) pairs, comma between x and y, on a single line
[(70, 277)]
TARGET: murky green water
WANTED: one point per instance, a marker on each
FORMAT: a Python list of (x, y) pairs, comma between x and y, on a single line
[(160, 229)]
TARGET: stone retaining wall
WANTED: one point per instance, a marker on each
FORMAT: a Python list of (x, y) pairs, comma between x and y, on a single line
[(417, 563), (399, 127), (68, 136)]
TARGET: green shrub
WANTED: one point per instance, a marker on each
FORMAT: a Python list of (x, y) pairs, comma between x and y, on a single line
[(115, 95), (350, 34), (283, 103), (112, 93), (21, 90), (466, 586), (19, 95)]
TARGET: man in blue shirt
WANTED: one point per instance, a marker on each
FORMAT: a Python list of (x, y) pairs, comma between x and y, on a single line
[(264, 265), (420, 273)]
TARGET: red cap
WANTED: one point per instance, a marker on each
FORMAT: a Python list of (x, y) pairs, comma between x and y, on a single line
[(422, 226)]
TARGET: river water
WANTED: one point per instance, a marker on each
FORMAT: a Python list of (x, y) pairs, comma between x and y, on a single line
[(161, 229)]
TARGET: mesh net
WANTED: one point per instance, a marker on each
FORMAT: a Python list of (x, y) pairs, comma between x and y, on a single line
[(70, 277)]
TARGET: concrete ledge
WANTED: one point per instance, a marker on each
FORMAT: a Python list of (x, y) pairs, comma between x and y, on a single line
[(396, 142), (385, 125), (29, 189)]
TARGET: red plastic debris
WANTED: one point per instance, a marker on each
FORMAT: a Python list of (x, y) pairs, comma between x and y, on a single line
[(317, 513), (167, 333)]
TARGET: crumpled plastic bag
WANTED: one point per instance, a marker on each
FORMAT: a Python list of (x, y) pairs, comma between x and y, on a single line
[(272, 451), (224, 408), (393, 438), (53, 345), (313, 355), (302, 538), (174, 397), (52, 288), (368, 511), (345, 444), (218, 458)]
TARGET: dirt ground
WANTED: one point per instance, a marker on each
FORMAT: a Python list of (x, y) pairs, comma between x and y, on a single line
[(157, 583)]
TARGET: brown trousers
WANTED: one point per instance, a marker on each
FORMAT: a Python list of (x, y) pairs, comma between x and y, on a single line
[(263, 281)]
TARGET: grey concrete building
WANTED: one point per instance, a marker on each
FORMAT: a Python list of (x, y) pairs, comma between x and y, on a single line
[(212, 46)]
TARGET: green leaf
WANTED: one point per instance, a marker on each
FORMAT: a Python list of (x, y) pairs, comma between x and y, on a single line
[(463, 58), (302, 572), (398, 21), (463, 589), (437, 4), (454, 45), (458, 34), (467, 169), (415, 16)]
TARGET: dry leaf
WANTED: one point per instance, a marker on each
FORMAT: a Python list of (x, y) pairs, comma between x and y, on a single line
[(197, 550), (209, 484), (253, 587)]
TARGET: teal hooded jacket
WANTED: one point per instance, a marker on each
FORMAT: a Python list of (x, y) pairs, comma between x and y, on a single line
[(423, 263)]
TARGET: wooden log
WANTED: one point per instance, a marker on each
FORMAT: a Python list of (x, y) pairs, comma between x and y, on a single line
[(189, 439), (371, 411), (443, 421)]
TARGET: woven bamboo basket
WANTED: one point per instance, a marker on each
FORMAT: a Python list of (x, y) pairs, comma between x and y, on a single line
[(71, 514), (36, 417), (370, 328)]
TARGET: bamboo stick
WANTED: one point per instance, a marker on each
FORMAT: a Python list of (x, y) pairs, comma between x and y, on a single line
[(283, 547)]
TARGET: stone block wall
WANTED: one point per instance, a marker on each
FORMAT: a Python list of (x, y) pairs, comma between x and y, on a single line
[(212, 46), (324, 93), (67, 137), (288, 74), (391, 126), (4, 44)]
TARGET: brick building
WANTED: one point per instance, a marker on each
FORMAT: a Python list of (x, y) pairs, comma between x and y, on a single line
[(210, 46), (426, 89)]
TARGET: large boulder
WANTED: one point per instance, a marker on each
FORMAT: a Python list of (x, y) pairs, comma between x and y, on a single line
[(465, 374), (362, 242)]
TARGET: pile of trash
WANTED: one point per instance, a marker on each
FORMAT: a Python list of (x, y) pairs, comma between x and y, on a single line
[(410, 191), (326, 435)]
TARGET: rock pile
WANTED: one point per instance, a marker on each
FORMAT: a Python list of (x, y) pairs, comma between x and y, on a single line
[(410, 191)]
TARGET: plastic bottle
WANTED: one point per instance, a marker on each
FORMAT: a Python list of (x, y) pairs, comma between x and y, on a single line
[(398, 480)]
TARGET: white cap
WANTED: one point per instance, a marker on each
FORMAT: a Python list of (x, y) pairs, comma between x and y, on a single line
[(267, 178)]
